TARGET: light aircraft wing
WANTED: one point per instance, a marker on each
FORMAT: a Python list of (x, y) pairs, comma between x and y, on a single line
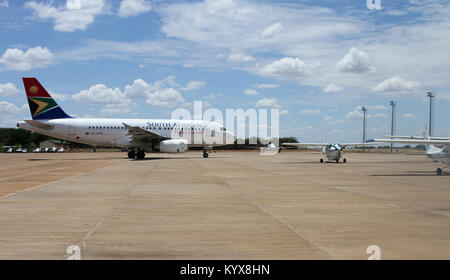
[(413, 141), (39, 124), (141, 135), (325, 144), (355, 144), (417, 137), (306, 144)]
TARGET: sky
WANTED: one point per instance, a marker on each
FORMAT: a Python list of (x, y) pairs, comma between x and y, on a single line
[(316, 61)]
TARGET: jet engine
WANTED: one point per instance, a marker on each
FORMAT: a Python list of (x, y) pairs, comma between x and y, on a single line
[(171, 146)]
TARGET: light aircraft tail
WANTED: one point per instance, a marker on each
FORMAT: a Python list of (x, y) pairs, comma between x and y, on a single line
[(426, 136), (42, 105)]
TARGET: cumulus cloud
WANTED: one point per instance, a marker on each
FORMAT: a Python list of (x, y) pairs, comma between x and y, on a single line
[(167, 97), (250, 91), (130, 8), (310, 112), (75, 15), (17, 59), (8, 89), (193, 85), (139, 89), (272, 30), (115, 109), (409, 116), (100, 94), (4, 4), (240, 57), (332, 88), (354, 115), (267, 85), (288, 68), (158, 94), (284, 112), (9, 108), (267, 103), (397, 84), (355, 61), (59, 96)]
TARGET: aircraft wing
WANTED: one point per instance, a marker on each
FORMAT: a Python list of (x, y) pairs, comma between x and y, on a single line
[(356, 144), (413, 141), (141, 135), (416, 137), (305, 144)]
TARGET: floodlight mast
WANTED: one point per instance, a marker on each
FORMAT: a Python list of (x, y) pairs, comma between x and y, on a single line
[(431, 113), (364, 109), (393, 104)]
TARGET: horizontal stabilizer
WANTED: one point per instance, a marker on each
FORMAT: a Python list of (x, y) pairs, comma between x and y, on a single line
[(39, 124)]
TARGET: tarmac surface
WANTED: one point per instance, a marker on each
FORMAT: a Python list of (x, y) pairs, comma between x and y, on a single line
[(233, 205)]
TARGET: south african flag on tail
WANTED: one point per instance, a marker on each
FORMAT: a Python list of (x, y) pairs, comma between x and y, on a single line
[(42, 105)]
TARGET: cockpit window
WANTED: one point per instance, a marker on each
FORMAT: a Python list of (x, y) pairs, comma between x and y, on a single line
[(223, 129)]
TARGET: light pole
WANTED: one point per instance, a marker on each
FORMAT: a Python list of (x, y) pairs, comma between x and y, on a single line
[(393, 104), (364, 109), (431, 116)]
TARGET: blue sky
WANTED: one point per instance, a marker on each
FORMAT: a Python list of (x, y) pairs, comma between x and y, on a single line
[(317, 61)]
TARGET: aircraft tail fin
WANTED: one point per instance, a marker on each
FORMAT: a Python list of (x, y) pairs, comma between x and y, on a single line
[(42, 105), (426, 136)]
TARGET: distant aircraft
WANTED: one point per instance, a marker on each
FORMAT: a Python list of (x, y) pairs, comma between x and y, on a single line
[(417, 137), (138, 135), (436, 147), (333, 152)]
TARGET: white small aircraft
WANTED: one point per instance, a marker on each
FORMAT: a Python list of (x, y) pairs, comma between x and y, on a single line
[(333, 152), (436, 147), (138, 135)]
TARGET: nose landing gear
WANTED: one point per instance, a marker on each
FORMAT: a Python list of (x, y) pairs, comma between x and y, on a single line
[(206, 151)]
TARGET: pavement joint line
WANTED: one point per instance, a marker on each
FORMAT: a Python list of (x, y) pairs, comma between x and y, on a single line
[(37, 172), (83, 241), (264, 210), (48, 183), (394, 203)]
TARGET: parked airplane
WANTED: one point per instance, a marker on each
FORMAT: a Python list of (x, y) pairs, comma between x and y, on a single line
[(138, 135), (417, 137), (333, 152), (436, 147)]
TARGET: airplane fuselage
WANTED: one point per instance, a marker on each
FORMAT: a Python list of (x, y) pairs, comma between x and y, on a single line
[(112, 132), (439, 154)]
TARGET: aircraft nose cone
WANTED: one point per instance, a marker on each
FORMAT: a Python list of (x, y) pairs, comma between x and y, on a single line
[(230, 137)]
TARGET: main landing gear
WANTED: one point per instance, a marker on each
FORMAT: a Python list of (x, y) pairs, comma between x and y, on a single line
[(344, 160), (139, 154)]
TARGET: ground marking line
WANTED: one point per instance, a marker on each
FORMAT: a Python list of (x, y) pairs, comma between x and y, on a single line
[(48, 183), (37, 172), (82, 242), (264, 210)]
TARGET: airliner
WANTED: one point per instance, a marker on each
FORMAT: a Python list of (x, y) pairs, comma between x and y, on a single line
[(333, 152), (138, 135), (436, 147)]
